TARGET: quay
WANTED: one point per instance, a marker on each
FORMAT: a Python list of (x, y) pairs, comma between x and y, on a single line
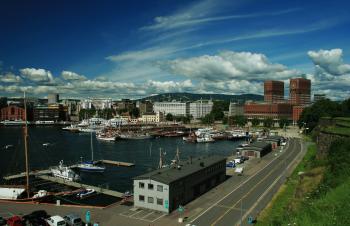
[(23, 174), (80, 185), (116, 163)]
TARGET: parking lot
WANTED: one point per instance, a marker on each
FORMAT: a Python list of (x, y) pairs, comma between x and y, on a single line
[(142, 214)]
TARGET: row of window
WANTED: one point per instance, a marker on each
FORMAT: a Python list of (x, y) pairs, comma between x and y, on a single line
[(151, 186), (150, 200)]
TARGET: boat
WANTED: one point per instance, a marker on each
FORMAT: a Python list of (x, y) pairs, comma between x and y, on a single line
[(205, 139), (14, 123), (104, 137), (64, 172), (201, 132), (85, 193), (90, 166), (7, 147), (71, 128), (135, 136), (46, 144)]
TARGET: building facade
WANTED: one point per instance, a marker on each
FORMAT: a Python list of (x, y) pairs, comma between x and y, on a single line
[(145, 107), (262, 111), (300, 91), (257, 149), (152, 117), (12, 113), (200, 108), (297, 111), (273, 91), (52, 112), (53, 98), (174, 108), (235, 109), (96, 103), (167, 188)]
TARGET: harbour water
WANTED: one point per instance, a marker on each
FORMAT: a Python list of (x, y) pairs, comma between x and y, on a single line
[(69, 147)]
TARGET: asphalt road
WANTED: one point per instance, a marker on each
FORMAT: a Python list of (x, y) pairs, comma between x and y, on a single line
[(252, 193)]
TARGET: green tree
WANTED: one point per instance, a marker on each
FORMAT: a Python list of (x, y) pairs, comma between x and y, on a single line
[(208, 119), (218, 109), (240, 120), (268, 123), (255, 122), (284, 122), (135, 112), (169, 117), (86, 113)]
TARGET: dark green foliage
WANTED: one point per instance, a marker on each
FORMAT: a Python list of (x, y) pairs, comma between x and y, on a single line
[(268, 123), (106, 113), (208, 119), (239, 120), (86, 113), (255, 122), (184, 119), (284, 122), (218, 109), (169, 117), (135, 112)]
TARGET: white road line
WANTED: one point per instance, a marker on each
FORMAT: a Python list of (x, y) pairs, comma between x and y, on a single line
[(136, 213), (235, 188), (147, 215), (158, 217), (267, 190)]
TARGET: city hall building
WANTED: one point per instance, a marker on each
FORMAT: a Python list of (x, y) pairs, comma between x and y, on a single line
[(167, 188)]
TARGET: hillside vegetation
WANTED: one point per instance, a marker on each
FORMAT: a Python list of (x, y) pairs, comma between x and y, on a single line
[(317, 196)]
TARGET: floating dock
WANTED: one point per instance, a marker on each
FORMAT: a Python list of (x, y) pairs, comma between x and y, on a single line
[(80, 185), (116, 163)]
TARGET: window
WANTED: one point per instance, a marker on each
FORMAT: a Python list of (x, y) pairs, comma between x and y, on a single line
[(150, 199), (160, 188), (159, 201), (141, 185), (141, 198), (150, 186)]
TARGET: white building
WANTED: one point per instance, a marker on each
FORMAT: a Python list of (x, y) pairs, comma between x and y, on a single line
[(174, 108), (235, 109), (97, 103), (200, 108)]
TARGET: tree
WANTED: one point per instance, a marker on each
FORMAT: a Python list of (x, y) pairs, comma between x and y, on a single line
[(218, 109), (255, 122), (268, 123), (240, 120), (135, 112), (86, 113), (284, 122), (208, 119), (169, 117)]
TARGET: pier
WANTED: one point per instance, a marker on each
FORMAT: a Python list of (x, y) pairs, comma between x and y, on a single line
[(116, 163), (80, 185), (32, 173)]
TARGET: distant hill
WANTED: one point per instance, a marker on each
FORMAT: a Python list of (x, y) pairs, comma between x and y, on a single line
[(194, 97)]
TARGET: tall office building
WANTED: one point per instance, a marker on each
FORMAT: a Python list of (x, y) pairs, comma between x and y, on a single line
[(273, 91), (300, 91), (52, 98)]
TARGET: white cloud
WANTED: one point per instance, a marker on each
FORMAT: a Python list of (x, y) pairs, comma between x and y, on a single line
[(10, 78), (329, 62), (37, 75), (72, 76), (229, 65)]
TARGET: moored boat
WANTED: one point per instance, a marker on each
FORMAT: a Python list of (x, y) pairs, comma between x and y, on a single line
[(85, 193)]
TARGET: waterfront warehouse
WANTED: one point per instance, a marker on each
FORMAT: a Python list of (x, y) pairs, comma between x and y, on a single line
[(257, 149), (167, 188)]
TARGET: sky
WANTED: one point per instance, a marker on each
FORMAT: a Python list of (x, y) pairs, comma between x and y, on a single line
[(136, 48)]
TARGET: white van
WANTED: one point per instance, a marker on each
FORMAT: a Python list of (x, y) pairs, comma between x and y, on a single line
[(56, 221)]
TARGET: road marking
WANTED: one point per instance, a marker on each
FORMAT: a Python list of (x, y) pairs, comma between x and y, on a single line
[(248, 193), (147, 215), (136, 213), (158, 217), (269, 188), (244, 182)]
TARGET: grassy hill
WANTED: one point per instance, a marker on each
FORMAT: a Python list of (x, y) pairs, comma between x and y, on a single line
[(321, 195), (193, 97)]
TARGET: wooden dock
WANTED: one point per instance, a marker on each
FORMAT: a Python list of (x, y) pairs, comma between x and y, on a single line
[(80, 185), (116, 163), (23, 174)]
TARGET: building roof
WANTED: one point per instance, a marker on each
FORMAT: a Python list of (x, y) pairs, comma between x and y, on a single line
[(171, 174), (274, 138), (257, 146)]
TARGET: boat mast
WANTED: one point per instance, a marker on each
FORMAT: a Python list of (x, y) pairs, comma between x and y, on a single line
[(92, 148), (160, 159), (26, 145)]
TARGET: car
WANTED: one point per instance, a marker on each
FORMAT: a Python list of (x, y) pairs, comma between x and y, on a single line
[(56, 221), (238, 160), (244, 158), (230, 164), (36, 218), (73, 219), (15, 221), (2, 221)]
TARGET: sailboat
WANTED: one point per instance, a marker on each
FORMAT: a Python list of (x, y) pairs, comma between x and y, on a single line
[(23, 193), (90, 166)]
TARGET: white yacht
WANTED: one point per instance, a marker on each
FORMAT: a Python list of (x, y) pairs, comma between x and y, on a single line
[(64, 172)]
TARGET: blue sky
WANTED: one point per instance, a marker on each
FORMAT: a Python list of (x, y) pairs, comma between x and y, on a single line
[(138, 48)]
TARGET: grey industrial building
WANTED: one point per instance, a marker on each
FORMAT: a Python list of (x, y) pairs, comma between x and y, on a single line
[(167, 188), (257, 149)]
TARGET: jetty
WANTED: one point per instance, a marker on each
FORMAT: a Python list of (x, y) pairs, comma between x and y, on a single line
[(80, 185), (23, 174), (116, 163)]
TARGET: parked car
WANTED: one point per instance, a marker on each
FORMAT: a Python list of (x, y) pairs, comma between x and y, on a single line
[(2, 221), (15, 221), (36, 218), (230, 164), (238, 160), (73, 220), (56, 221), (239, 170), (244, 158)]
